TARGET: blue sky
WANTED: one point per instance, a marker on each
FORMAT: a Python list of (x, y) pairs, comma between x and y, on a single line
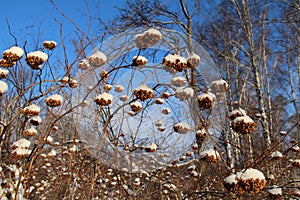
[(28, 18)]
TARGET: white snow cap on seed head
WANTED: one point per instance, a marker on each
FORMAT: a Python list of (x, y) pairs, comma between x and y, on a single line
[(4, 71), (178, 81), (276, 154), (55, 97), (140, 58), (210, 152), (250, 173), (15, 50), (106, 96), (50, 41), (21, 143), (238, 110), (246, 119), (32, 107), (183, 127), (231, 179), (3, 87), (153, 31), (137, 104), (209, 95), (38, 54), (172, 58), (275, 190), (100, 55), (143, 86)]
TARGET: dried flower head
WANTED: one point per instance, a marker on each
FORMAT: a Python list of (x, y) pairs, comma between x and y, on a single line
[(36, 59), (148, 38), (175, 62), (31, 110), (104, 99), (6, 63), (3, 73), (136, 106), (49, 45), (84, 64), (243, 125), (182, 127), (178, 81), (210, 156), (206, 100), (30, 132), (139, 61), (97, 59), (143, 92), (13, 54), (54, 100), (193, 60), (3, 87), (219, 86)]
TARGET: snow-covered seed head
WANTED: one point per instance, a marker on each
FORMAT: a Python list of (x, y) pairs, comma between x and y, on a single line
[(97, 59), (276, 155), (251, 180), (30, 132), (219, 86), (21, 143), (148, 38), (206, 100), (182, 93), (159, 101), (54, 100), (175, 62), (166, 111), (107, 87), (237, 113), (35, 120), (193, 61), (36, 59), (3, 87), (84, 64), (178, 81), (195, 147), (182, 127), (65, 80), (201, 135), (13, 54), (139, 61), (165, 95), (6, 63), (104, 99), (31, 110), (49, 45), (161, 128), (136, 106), (3, 73), (123, 98), (20, 153), (151, 148), (210, 156), (296, 163), (73, 83), (48, 140), (143, 92), (243, 125)]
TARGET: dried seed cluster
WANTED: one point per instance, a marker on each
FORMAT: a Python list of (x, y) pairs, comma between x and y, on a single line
[(250, 180), (54, 100), (219, 86), (143, 92), (148, 38), (30, 132), (13, 54), (175, 62), (136, 106), (193, 61), (20, 149), (237, 113), (97, 59), (139, 61), (201, 135), (49, 45), (31, 110), (210, 156), (36, 59), (3, 73), (206, 100), (182, 127), (104, 99), (243, 125)]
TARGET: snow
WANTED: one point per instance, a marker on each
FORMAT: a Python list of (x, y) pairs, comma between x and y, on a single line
[(49, 140), (144, 87), (38, 54), (97, 59), (239, 111), (136, 104), (50, 42), (52, 153), (191, 167), (140, 58), (231, 179), (36, 119), (208, 95), (175, 59), (275, 190), (3, 87), (245, 119), (30, 131), (178, 81), (23, 143), (219, 86), (250, 173), (182, 127), (210, 152), (105, 96), (55, 97), (152, 147), (153, 32)]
